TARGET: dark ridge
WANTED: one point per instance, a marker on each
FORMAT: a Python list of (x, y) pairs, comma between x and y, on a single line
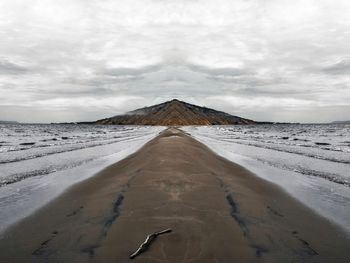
[(41, 250), (233, 205), (114, 215), (76, 211), (90, 250), (275, 212), (308, 249), (236, 216), (9, 122), (259, 250)]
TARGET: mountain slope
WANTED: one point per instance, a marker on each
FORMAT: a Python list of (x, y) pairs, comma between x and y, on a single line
[(175, 112)]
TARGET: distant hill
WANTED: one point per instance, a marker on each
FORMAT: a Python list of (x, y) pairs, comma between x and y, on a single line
[(175, 112), (8, 122), (341, 122)]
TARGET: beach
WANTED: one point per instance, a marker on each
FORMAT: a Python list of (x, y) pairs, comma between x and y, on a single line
[(218, 212)]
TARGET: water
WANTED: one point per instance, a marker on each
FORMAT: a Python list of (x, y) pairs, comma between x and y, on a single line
[(310, 162), (38, 162)]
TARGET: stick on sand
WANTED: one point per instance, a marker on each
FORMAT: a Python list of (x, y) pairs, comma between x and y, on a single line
[(149, 239)]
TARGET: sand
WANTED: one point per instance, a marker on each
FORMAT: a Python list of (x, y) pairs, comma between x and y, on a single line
[(218, 211)]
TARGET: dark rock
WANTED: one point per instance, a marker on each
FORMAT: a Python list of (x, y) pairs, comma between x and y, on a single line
[(322, 143)]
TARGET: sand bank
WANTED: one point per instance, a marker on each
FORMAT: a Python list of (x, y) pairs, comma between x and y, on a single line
[(218, 211)]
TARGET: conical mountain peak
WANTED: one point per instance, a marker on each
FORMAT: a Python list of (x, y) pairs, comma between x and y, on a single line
[(175, 113)]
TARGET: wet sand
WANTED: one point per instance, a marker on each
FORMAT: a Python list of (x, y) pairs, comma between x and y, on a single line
[(218, 211)]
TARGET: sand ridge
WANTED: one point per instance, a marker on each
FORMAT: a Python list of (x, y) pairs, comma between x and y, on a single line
[(218, 211)]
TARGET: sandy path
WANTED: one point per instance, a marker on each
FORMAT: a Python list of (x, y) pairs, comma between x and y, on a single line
[(218, 211)]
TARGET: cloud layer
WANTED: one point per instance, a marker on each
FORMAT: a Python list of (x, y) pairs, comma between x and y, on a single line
[(74, 60)]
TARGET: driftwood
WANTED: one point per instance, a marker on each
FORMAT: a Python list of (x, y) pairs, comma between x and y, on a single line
[(149, 240)]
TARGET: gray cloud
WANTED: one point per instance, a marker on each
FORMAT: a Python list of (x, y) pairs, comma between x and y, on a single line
[(8, 68), (93, 58), (123, 72), (226, 72), (342, 67)]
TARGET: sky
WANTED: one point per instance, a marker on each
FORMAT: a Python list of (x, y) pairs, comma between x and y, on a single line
[(79, 60)]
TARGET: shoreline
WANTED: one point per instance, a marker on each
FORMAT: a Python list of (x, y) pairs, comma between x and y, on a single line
[(217, 209), (37, 181), (304, 188)]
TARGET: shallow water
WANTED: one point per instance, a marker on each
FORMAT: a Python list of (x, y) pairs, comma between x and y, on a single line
[(310, 162), (38, 162)]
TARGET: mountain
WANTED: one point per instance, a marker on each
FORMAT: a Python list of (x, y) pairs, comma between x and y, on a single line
[(8, 122), (340, 122), (175, 112)]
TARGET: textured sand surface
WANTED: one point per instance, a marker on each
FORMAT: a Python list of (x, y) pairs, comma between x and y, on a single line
[(218, 211)]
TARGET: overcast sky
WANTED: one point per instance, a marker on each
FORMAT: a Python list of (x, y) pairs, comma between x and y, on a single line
[(273, 60)]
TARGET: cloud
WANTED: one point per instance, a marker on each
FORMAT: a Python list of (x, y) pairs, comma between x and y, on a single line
[(341, 67), (290, 55), (8, 68)]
